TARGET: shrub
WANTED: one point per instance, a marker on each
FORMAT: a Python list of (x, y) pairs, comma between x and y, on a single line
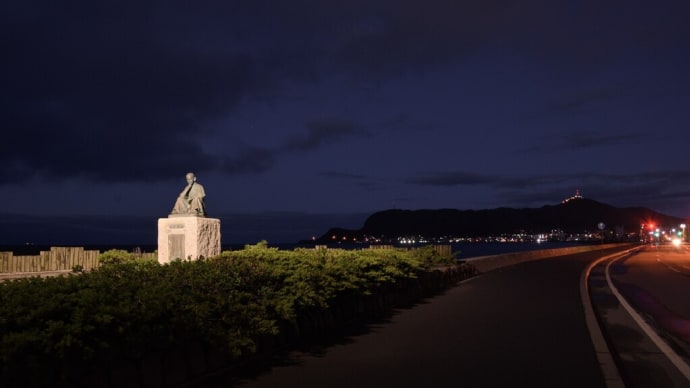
[(130, 306)]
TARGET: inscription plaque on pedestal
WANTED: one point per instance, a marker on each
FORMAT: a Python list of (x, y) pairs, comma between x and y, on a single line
[(176, 246)]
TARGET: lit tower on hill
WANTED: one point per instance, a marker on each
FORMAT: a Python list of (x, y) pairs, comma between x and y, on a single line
[(576, 196)]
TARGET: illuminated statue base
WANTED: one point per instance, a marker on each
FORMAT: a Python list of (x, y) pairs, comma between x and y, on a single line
[(187, 238)]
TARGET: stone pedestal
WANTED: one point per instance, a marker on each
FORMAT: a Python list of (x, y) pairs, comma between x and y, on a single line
[(187, 237)]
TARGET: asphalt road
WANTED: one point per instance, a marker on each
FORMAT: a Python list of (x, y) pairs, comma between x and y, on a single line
[(644, 308), (522, 325), (657, 281)]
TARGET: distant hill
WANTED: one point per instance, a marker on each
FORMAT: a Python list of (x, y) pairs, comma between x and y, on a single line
[(575, 216)]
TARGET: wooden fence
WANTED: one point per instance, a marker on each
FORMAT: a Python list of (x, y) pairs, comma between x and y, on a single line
[(57, 259)]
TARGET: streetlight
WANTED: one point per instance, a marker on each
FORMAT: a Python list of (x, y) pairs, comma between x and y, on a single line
[(682, 226)]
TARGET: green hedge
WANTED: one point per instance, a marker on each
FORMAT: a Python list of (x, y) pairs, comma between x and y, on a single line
[(50, 328)]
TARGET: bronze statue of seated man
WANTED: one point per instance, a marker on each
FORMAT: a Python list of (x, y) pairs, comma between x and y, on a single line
[(191, 199)]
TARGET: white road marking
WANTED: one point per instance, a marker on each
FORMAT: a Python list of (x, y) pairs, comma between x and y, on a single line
[(677, 361), (669, 266)]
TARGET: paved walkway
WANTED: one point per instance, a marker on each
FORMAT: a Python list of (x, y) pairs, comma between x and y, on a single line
[(522, 325)]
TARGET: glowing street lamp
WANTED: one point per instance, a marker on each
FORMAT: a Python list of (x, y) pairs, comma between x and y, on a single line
[(682, 226)]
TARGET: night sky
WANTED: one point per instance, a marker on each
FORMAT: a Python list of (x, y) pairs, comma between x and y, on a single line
[(351, 107)]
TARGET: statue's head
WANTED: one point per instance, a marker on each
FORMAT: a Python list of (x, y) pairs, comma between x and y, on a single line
[(190, 177)]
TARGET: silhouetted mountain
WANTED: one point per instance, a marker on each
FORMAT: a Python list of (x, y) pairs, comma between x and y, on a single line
[(572, 217)]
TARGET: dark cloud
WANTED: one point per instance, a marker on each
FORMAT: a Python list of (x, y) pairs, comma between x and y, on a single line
[(634, 183), (584, 140), (253, 160), (321, 131), (343, 175), (451, 179), (531, 181), (126, 91), (601, 140), (107, 93), (648, 188), (589, 99), (405, 122), (395, 37), (366, 182)]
